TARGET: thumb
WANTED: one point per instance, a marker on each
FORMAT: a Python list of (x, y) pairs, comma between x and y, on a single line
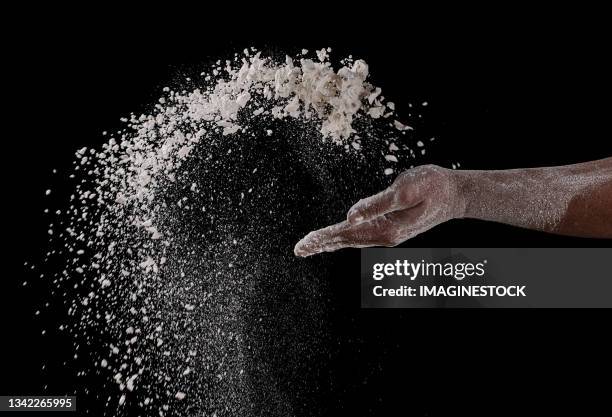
[(373, 206)]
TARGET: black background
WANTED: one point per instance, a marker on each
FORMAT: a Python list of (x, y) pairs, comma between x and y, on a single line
[(509, 90)]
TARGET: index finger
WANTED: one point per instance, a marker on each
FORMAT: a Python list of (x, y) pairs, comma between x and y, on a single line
[(373, 206)]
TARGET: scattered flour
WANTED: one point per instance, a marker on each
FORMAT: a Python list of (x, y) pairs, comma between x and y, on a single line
[(153, 245)]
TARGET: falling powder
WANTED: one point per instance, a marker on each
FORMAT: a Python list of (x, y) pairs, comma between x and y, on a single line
[(167, 216)]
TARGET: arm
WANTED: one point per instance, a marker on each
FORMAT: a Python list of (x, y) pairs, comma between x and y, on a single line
[(573, 200)]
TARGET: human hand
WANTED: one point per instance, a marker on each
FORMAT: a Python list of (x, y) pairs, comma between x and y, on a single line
[(418, 200)]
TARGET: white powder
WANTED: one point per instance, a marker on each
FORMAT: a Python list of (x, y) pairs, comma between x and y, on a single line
[(304, 89), (134, 198)]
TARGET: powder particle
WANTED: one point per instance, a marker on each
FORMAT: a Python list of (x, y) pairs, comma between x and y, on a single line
[(401, 126), (391, 158)]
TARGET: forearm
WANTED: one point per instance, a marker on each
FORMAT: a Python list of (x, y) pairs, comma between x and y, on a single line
[(574, 199)]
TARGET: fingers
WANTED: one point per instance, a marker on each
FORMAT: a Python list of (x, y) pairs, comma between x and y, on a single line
[(404, 193), (373, 206), (341, 235), (315, 242), (414, 203)]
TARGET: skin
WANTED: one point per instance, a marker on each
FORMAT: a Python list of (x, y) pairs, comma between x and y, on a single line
[(573, 200)]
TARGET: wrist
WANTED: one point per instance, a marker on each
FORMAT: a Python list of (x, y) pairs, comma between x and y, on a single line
[(466, 190)]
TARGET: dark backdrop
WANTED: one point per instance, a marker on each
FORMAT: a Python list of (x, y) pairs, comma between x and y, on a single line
[(507, 91)]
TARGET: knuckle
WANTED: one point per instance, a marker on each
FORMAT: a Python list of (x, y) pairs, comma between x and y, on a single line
[(402, 176), (435, 174), (431, 170)]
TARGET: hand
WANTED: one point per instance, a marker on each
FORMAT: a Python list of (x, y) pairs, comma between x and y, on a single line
[(418, 200)]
